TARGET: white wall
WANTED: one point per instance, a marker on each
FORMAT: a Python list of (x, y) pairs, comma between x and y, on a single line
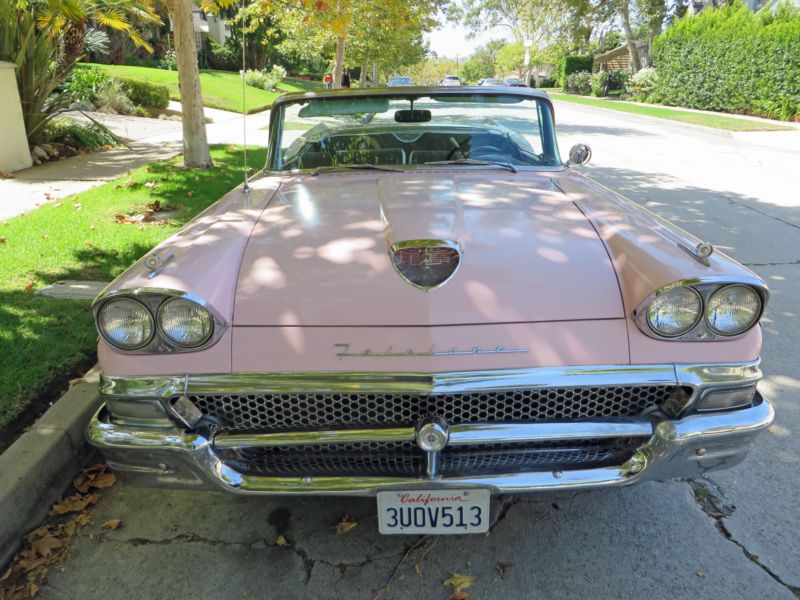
[(14, 153)]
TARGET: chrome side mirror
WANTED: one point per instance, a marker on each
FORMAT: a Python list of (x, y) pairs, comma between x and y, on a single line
[(579, 154)]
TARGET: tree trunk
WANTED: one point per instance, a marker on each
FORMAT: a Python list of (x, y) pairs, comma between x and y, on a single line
[(72, 42), (338, 68), (195, 142), (625, 15), (364, 67)]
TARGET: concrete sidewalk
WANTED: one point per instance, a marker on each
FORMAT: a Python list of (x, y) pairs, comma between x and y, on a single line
[(150, 140)]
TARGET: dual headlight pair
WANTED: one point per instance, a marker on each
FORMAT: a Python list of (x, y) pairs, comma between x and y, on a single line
[(728, 311), (129, 324)]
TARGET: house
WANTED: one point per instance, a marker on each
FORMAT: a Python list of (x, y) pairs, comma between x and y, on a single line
[(619, 58)]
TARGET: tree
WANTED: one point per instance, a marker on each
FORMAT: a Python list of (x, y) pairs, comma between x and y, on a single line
[(510, 58), (70, 18)]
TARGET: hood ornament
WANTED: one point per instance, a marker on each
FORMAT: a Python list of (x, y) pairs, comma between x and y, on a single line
[(426, 264)]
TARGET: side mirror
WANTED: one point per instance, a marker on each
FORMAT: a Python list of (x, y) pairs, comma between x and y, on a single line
[(579, 154)]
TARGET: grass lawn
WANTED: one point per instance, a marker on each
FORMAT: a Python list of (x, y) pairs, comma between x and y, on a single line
[(674, 114), (221, 89), (43, 339)]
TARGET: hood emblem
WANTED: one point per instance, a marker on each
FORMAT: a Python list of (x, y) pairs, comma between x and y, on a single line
[(426, 264)]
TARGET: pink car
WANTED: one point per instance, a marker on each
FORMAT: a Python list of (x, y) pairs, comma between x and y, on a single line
[(417, 300)]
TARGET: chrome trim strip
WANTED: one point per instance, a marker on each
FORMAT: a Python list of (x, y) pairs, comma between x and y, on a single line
[(459, 435), (174, 459), (705, 286), (488, 433), (692, 375), (324, 436)]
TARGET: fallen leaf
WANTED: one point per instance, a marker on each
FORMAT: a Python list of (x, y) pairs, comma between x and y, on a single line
[(112, 524), (190, 194), (502, 568), (44, 546), (29, 287), (104, 480), (345, 525), (78, 206), (460, 595), (281, 541), (701, 574), (44, 236), (2, 240), (87, 243), (459, 581), (74, 503), (76, 381), (57, 204)]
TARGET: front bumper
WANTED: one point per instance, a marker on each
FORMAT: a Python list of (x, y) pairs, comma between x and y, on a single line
[(678, 447)]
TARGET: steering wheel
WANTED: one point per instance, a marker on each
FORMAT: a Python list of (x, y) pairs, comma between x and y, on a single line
[(473, 151)]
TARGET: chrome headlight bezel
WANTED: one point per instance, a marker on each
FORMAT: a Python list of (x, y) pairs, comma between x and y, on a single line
[(153, 299), (705, 287), (697, 316)]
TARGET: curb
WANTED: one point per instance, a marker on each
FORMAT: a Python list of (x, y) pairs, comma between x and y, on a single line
[(38, 467)]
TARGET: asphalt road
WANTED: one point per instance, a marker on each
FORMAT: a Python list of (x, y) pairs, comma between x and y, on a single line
[(654, 540)]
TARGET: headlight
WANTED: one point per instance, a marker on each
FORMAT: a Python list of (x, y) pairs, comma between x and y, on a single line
[(125, 323), (675, 312), (733, 309), (185, 323)]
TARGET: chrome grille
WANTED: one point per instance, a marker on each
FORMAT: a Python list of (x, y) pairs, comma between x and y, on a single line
[(294, 411), (405, 459)]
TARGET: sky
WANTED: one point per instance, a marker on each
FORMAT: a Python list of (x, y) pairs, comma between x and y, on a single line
[(451, 40)]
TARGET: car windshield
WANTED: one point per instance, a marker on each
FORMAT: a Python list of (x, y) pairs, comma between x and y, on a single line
[(411, 130)]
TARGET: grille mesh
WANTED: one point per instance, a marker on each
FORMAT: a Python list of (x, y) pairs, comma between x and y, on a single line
[(293, 411), (404, 459)]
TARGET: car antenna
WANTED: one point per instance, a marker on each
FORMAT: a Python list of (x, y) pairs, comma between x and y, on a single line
[(246, 186)]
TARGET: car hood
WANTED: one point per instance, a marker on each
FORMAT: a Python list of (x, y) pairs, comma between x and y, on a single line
[(319, 253)]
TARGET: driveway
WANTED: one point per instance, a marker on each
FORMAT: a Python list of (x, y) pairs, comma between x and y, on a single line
[(654, 540)]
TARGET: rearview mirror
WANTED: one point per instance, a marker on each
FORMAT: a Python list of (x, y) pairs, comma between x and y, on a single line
[(579, 154), (412, 116)]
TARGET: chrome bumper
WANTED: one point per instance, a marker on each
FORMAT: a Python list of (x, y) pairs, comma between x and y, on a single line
[(676, 448)]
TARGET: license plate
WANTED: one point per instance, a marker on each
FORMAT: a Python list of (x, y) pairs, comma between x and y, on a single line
[(434, 511)]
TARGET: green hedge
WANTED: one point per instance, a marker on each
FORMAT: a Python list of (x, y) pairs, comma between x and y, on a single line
[(143, 93), (575, 63), (732, 59)]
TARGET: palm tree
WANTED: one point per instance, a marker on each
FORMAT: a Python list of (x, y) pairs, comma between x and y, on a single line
[(71, 18)]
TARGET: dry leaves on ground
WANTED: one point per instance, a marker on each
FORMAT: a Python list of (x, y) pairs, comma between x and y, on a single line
[(112, 524), (345, 525), (281, 541), (459, 582), (502, 569), (47, 545)]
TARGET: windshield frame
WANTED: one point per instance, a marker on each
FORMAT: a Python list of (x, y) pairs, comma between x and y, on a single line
[(546, 117)]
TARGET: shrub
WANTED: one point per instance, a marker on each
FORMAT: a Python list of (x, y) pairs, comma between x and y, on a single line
[(575, 63), (618, 80), (599, 83), (266, 80), (642, 85), (84, 84), (68, 132), (579, 83), (111, 98), (732, 59), (225, 57), (170, 61), (145, 93)]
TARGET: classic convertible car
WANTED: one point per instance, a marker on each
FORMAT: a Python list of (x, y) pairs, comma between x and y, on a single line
[(418, 300)]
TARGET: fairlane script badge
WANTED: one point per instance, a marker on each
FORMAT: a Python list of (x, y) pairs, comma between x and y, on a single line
[(344, 352)]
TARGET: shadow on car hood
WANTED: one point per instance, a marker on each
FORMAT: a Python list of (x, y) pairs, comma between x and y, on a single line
[(320, 252)]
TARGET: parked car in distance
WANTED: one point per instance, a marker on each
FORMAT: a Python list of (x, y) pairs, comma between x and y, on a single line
[(450, 80), (514, 82), (491, 81), (419, 300), (400, 81)]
